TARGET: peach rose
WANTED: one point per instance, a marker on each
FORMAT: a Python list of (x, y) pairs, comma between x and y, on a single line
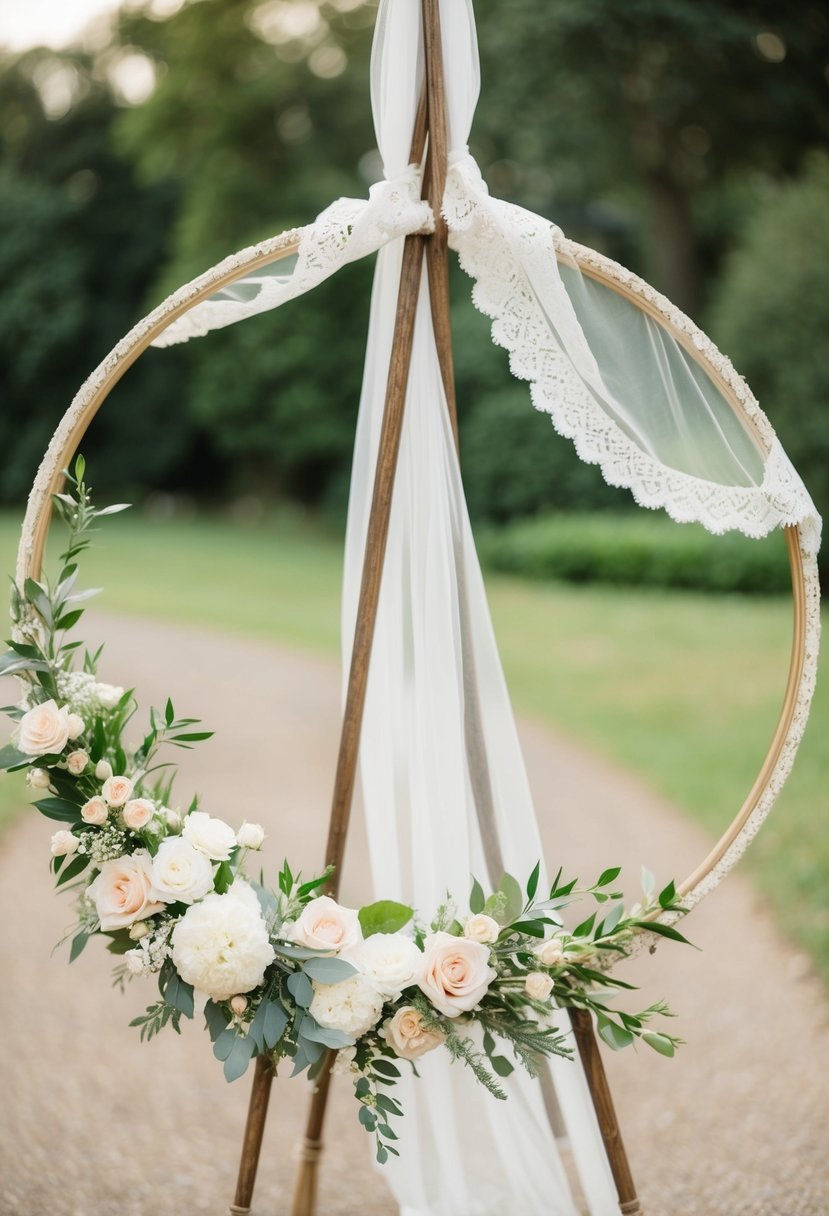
[(117, 790), (326, 925), (121, 891), (482, 928), (406, 1035), (137, 813), (95, 811), (538, 985), (76, 762), (455, 973), (64, 843), (44, 730)]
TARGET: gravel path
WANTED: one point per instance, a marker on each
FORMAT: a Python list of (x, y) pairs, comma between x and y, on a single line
[(95, 1125)]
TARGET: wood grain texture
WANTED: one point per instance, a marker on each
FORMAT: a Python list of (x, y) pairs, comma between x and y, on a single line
[(254, 1130)]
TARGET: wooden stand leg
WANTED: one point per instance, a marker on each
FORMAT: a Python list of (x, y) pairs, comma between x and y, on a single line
[(254, 1130), (582, 1023)]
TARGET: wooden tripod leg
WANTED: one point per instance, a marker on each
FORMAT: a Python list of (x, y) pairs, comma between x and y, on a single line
[(582, 1023), (252, 1144)]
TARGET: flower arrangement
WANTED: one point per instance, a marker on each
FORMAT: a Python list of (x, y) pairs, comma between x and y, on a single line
[(291, 973)]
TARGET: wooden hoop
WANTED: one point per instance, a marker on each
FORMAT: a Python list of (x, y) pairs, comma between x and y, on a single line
[(100, 384)]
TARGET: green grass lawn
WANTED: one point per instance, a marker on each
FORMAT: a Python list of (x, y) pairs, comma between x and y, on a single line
[(682, 688)]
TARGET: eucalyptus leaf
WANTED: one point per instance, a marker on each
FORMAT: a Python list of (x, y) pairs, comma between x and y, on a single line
[(476, 898), (514, 896), (276, 1019), (310, 1029), (659, 1042), (329, 970), (300, 989), (385, 916), (240, 1056), (215, 1019)]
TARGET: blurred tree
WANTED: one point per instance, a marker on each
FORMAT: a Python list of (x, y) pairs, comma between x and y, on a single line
[(771, 313), (73, 265), (666, 101)]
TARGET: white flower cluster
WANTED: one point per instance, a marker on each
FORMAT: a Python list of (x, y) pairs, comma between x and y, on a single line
[(221, 944), (85, 695), (105, 845), (149, 956)]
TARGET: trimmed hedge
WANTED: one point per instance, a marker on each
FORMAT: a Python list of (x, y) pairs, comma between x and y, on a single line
[(643, 549)]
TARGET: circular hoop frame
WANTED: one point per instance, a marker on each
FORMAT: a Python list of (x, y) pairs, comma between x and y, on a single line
[(98, 386)]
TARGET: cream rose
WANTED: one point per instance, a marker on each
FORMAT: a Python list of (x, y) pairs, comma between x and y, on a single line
[(352, 1006), (388, 960), (44, 730), (64, 843), (122, 891), (171, 818), (454, 973), (549, 953), (538, 985), (95, 811), (137, 813), (406, 1035), (213, 837), (250, 836), (103, 770), (117, 790), (108, 695), (326, 925), (76, 762), (76, 726), (180, 873), (482, 928)]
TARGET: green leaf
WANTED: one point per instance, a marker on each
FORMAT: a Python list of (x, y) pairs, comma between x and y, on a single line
[(177, 993), (78, 943), (368, 1118), (119, 941), (76, 866), (328, 970), (654, 926), (388, 1105), (300, 989), (69, 619), (532, 881), (611, 920), (583, 930), (386, 1132), (224, 878), (385, 1068), (615, 1036), (608, 876), (215, 1020), (533, 928), (240, 1055), (667, 895), (476, 898), (10, 756), (382, 1154), (385, 916), (514, 895), (223, 1043), (660, 1043), (276, 1019), (80, 468), (501, 1065), (310, 1029)]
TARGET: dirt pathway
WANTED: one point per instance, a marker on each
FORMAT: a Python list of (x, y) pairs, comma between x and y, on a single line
[(94, 1124)]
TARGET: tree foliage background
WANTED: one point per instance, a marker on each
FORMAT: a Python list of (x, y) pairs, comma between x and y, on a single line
[(686, 138)]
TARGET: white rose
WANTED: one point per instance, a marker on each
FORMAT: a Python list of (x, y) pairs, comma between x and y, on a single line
[(352, 1006), (95, 811), (137, 813), (538, 985), (108, 695), (549, 953), (482, 928), (44, 730), (210, 836), (38, 778), (454, 973), (122, 891), (221, 945), (180, 873), (64, 843), (326, 925), (76, 726), (117, 790), (406, 1035), (171, 818), (388, 960), (103, 770), (76, 762), (250, 836)]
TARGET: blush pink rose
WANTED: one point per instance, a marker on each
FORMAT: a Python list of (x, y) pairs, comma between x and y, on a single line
[(95, 811), (326, 925), (455, 973), (117, 790), (137, 813), (121, 891), (76, 762), (406, 1035), (44, 730)]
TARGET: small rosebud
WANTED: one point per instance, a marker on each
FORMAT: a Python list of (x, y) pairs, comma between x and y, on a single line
[(103, 770), (172, 818), (76, 726), (139, 929), (64, 844), (38, 778), (538, 985), (250, 836), (238, 1004)]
